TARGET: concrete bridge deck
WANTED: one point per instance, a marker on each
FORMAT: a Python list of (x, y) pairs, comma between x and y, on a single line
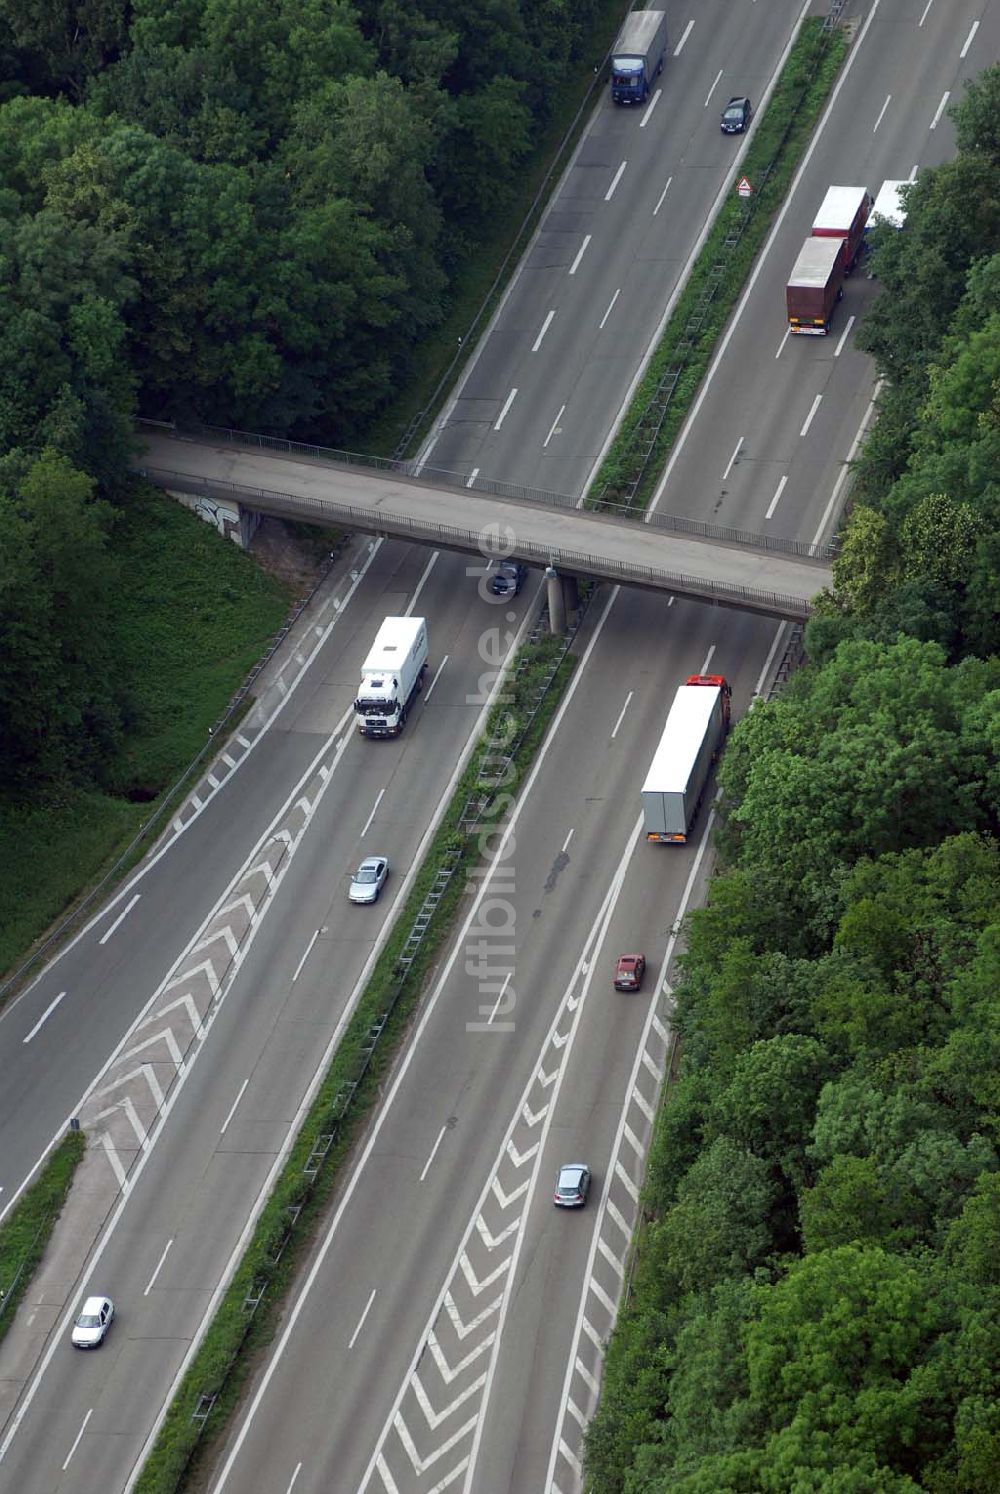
[(299, 485)]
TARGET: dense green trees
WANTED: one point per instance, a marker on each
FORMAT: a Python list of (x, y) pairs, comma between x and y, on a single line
[(247, 212), (817, 1300), (253, 207)]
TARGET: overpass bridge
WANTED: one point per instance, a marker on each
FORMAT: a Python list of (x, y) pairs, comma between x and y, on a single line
[(753, 573)]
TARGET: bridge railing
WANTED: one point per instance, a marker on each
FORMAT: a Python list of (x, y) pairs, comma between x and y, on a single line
[(421, 472), (477, 541)]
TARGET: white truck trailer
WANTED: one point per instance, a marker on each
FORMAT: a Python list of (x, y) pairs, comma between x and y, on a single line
[(692, 739), (888, 208), (391, 676)]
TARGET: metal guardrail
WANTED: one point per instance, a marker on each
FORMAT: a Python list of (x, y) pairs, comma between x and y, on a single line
[(515, 492), (447, 536)]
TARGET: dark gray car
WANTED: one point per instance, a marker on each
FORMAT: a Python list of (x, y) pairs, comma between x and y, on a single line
[(508, 578)]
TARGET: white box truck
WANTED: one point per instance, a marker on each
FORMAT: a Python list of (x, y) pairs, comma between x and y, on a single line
[(692, 739), (888, 208), (391, 676), (638, 56)]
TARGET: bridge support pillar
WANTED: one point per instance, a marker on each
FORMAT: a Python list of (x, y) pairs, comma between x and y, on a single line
[(571, 596), (557, 604)]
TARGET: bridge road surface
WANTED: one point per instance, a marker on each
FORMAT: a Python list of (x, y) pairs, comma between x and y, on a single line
[(586, 544), (110, 983), (300, 1430)]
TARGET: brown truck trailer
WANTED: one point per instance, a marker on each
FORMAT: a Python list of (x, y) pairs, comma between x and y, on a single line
[(815, 285)]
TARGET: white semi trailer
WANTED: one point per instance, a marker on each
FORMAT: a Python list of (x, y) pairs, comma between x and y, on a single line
[(692, 739), (391, 676)]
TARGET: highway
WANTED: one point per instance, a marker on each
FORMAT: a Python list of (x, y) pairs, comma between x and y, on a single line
[(498, 1300), (473, 1114)]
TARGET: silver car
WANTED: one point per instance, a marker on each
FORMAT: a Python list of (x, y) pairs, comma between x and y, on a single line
[(572, 1186), (369, 879), (93, 1322)]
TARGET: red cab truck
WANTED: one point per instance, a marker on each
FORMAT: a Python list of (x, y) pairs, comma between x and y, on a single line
[(843, 214)]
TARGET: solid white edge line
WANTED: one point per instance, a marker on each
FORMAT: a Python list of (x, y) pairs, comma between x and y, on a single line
[(386, 1105), (779, 630)]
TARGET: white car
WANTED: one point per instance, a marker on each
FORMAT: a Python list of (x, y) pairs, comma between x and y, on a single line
[(93, 1322), (369, 879)]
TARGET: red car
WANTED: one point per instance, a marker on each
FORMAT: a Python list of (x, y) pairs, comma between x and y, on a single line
[(629, 972)]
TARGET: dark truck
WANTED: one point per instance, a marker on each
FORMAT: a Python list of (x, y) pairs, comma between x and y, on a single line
[(638, 56), (815, 286)]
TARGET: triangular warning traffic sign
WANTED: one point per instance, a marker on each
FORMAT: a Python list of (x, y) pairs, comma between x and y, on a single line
[(744, 188)]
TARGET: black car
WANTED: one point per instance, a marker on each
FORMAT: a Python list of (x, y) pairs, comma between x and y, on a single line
[(736, 116), (508, 578)]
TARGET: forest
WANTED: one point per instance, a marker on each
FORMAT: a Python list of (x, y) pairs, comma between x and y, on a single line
[(249, 212), (816, 1301)]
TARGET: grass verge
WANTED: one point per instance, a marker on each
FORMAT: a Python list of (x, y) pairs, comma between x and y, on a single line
[(248, 1314), (25, 1232), (193, 615), (631, 468)]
